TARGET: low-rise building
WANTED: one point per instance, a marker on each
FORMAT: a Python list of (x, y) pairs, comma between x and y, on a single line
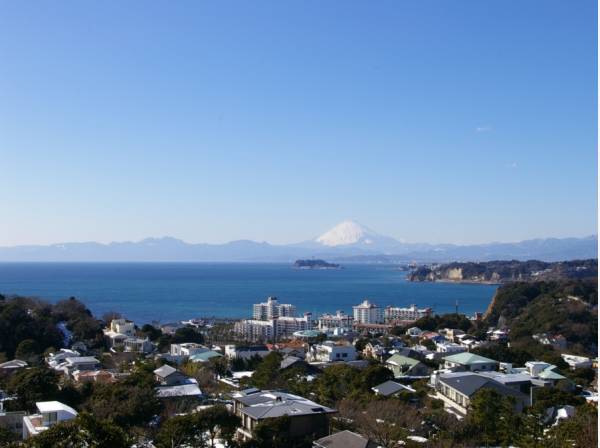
[(452, 334), (49, 414), (498, 335), (469, 362), (246, 351), (307, 418), (205, 356), (57, 358), (414, 332), (405, 367), (577, 362), (12, 366), (374, 350), (138, 345), (167, 375), (449, 347), (344, 439), (329, 351), (79, 363), (391, 388), (187, 349), (457, 389), (122, 326), (179, 392), (94, 376), (558, 341)]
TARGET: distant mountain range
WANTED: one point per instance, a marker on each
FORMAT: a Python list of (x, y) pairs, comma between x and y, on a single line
[(347, 242)]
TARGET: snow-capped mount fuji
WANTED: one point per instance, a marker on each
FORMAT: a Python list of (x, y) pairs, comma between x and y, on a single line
[(352, 234)]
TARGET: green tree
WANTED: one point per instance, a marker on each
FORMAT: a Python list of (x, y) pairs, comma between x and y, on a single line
[(371, 376), (7, 437), (187, 334), (492, 418), (151, 332), (32, 385), (336, 382), (181, 431), (84, 431), (27, 350), (124, 404), (218, 421), (274, 433), (267, 372), (580, 431)]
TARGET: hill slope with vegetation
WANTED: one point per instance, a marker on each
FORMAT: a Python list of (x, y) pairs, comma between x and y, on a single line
[(568, 308)]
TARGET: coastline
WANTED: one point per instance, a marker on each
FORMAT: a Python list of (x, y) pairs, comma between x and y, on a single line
[(168, 292), (459, 282)]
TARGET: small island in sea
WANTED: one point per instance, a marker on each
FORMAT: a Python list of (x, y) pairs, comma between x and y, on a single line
[(315, 264)]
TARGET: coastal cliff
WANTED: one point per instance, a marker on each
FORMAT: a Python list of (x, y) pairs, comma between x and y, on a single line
[(496, 272)]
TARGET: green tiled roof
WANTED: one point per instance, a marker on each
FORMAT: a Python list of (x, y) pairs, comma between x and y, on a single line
[(466, 358), (400, 360), (204, 356), (549, 374)]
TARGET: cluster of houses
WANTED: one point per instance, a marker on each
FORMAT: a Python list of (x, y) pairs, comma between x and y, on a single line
[(443, 359)]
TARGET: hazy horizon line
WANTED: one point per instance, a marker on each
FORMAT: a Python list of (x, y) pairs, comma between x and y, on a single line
[(171, 237)]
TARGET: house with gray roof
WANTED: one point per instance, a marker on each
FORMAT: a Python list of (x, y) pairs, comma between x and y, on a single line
[(167, 375), (389, 388), (405, 367), (344, 439), (307, 418), (469, 362), (457, 389)]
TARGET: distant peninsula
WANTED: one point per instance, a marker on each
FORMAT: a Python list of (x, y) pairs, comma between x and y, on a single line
[(315, 264), (496, 272)]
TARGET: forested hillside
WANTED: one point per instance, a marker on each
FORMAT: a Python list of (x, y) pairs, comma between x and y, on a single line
[(566, 307)]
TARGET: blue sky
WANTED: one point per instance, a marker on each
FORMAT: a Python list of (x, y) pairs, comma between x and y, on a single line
[(464, 121)]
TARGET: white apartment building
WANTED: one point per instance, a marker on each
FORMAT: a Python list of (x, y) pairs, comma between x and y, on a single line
[(49, 413), (367, 313), (410, 314), (287, 326), (255, 330), (328, 351), (272, 309), (272, 329), (331, 322)]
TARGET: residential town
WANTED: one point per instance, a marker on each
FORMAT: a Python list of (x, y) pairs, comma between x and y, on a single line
[(283, 380)]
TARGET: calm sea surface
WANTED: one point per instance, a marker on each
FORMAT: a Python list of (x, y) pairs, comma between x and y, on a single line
[(174, 291)]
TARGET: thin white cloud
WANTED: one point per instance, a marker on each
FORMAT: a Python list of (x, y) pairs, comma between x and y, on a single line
[(512, 165), (486, 128)]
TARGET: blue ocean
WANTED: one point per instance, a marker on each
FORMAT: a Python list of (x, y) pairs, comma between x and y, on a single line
[(166, 292)]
